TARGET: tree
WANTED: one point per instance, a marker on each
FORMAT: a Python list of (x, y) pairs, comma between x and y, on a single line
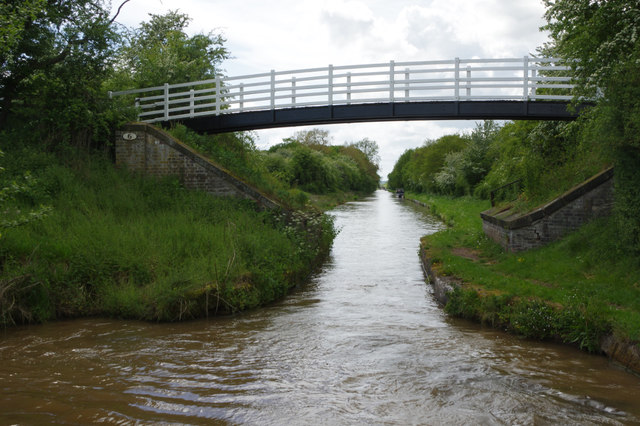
[(370, 149), (311, 137), (160, 51), (416, 169), (14, 18), (367, 170), (598, 37), (601, 39), (55, 59), (476, 161), (429, 159), (397, 177)]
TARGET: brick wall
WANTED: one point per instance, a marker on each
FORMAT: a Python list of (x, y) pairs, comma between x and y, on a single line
[(591, 199), (144, 148)]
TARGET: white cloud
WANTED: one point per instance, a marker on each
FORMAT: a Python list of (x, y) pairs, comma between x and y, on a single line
[(294, 34), (346, 29)]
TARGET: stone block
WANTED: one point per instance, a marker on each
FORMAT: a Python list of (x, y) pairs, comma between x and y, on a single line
[(594, 198), (146, 149)]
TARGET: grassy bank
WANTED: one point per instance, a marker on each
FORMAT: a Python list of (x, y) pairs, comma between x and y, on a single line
[(577, 290), (293, 172), (133, 247)]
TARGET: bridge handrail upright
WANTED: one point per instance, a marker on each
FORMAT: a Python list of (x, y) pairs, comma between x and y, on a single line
[(473, 79)]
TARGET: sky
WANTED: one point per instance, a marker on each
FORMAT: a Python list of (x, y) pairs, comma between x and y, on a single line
[(294, 34)]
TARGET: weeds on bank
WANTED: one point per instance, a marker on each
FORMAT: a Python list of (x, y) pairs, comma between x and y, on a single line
[(576, 290), (133, 247)]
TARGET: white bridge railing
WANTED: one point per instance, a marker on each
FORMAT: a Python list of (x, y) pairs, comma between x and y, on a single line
[(518, 79)]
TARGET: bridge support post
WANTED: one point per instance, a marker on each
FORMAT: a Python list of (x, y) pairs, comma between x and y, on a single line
[(273, 89), (468, 83), (330, 82), (293, 91), (166, 101), (525, 80), (534, 81), (456, 91), (218, 93), (406, 84), (191, 102), (392, 81), (137, 104)]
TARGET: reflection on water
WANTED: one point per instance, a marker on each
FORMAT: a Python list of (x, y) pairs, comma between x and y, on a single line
[(364, 342)]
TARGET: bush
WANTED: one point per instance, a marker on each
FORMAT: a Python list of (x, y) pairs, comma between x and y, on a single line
[(577, 322), (322, 169)]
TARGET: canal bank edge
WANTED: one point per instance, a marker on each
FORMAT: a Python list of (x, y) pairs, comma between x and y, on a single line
[(617, 349), (620, 351)]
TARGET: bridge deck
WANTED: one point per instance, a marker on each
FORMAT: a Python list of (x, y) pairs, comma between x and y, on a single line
[(502, 88), (404, 111)]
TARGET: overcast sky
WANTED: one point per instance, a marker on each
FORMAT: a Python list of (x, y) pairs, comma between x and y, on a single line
[(292, 34)]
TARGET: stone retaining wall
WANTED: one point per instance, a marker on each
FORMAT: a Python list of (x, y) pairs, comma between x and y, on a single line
[(144, 148), (591, 199)]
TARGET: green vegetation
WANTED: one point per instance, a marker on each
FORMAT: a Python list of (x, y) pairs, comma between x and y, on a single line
[(301, 169), (546, 158), (600, 41), (80, 237), (321, 168), (575, 291), (134, 247), (416, 169), (56, 60), (587, 285), (87, 239), (160, 52)]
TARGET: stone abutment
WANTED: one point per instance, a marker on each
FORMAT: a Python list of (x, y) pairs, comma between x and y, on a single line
[(147, 149)]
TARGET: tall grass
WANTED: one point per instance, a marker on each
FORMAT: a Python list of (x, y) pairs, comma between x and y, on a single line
[(135, 247)]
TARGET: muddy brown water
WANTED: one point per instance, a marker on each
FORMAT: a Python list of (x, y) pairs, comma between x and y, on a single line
[(363, 343)]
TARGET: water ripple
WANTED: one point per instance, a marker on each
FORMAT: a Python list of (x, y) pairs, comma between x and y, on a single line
[(363, 343)]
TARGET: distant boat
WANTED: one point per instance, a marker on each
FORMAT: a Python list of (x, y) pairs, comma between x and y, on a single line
[(400, 193)]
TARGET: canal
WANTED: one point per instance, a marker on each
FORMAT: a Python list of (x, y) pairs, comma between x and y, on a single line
[(363, 343)]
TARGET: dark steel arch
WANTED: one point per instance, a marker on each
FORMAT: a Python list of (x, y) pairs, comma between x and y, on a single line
[(396, 111)]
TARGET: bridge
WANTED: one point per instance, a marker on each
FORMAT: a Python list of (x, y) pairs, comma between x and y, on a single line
[(507, 88)]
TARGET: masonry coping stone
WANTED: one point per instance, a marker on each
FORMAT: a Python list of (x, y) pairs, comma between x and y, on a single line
[(549, 208)]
